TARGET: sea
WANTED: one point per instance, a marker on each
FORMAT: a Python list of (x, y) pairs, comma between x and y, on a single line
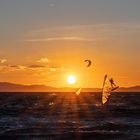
[(66, 116)]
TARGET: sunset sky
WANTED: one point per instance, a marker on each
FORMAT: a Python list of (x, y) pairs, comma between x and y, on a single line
[(44, 41)]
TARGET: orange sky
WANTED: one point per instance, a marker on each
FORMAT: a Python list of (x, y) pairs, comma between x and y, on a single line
[(43, 44), (50, 62)]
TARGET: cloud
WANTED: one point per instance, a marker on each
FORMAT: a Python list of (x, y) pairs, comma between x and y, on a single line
[(68, 28), (36, 66), (12, 68), (2, 61), (48, 67), (89, 32), (61, 39), (18, 67), (43, 60), (63, 30)]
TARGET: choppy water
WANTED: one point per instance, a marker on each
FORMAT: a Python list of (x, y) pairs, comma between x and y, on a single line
[(41, 116)]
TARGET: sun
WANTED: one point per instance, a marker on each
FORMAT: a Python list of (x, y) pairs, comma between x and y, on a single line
[(71, 79)]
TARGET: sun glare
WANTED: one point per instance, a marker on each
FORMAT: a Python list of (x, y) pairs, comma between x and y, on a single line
[(71, 79)]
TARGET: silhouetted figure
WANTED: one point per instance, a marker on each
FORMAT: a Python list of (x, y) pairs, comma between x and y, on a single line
[(112, 83)]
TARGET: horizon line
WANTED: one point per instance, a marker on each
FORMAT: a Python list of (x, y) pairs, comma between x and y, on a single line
[(63, 86)]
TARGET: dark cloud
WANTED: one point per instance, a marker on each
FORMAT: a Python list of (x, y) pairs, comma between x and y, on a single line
[(37, 66)]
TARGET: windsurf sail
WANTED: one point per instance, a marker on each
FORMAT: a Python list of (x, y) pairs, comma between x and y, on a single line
[(51, 103), (108, 87), (78, 91)]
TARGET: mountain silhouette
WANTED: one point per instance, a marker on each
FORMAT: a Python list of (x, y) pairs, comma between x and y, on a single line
[(11, 87)]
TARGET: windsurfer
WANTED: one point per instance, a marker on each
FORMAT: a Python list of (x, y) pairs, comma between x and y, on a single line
[(112, 83)]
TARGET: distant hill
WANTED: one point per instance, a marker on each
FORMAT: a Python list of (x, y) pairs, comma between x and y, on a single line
[(10, 87), (129, 89)]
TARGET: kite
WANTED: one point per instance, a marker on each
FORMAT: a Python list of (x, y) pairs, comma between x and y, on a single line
[(88, 62)]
